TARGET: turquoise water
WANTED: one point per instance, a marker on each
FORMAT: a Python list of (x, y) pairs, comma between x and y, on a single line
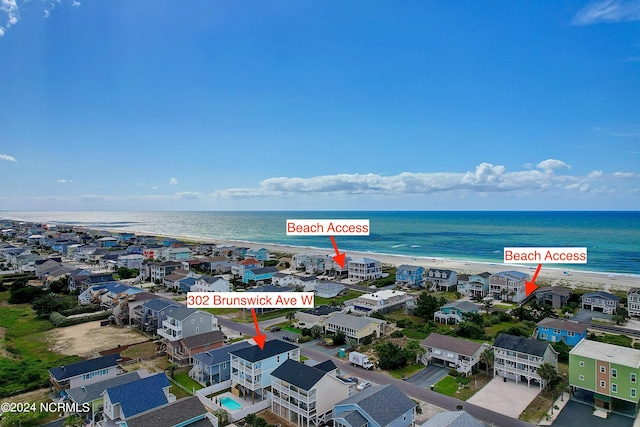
[(612, 238), (230, 404)]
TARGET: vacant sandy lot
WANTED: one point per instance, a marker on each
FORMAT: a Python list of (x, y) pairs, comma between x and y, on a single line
[(87, 339)]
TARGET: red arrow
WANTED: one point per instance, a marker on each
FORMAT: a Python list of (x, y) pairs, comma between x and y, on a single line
[(531, 286), (259, 338), (339, 257)]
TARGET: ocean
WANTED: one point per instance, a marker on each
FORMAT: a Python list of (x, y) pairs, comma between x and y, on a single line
[(611, 238)]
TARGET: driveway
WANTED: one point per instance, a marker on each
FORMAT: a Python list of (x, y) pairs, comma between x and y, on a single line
[(429, 376), (579, 414), (585, 315), (508, 398)]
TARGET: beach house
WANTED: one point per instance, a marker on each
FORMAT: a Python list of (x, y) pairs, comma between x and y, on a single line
[(453, 312), (476, 285), (212, 284), (214, 366), (633, 302), (442, 280), (606, 376), (356, 327), (377, 406), (410, 276), (305, 395), (251, 367), (362, 269), (555, 296), (382, 301), (259, 274), (600, 301), (182, 322), (451, 352), (508, 285), (126, 400), (518, 358), (186, 412), (83, 373)]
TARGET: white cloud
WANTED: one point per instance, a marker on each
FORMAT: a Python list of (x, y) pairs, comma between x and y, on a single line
[(552, 164), (75, 3), (608, 11), (7, 158), (188, 195), (8, 8), (64, 180), (624, 174), (595, 174), (173, 181), (154, 187)]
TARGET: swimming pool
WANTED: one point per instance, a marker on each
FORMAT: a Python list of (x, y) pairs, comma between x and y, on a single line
[(229, 403)]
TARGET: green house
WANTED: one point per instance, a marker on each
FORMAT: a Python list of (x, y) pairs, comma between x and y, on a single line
[(606, 376)]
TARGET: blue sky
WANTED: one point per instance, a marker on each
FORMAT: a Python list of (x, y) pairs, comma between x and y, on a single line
[(217, 105)]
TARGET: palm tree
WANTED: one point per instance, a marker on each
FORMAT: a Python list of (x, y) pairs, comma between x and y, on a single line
[(74, 420), (223, 417), (548, 373), (487, 357), (290, 316), (487, 305)]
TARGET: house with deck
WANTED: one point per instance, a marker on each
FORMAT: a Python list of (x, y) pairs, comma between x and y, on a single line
[(518, 358), (475, 285), (329, 289), (376, 406), (555, 296), (246, 264), (182, 322), (606, 376), (633, 302), (453, 312), (181, 352), (214, 366), (442, 280), (149, 316), (411, 276), (560, 330), (356, 327), (452, 352), (382, 301), (508, 285), (305, 395), (364, 269), (212, 284), (251, 367), (259, 274)]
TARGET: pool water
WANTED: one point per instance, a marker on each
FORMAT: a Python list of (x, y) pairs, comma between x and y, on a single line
[(229, 403)]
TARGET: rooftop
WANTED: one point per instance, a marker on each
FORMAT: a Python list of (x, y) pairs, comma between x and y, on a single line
[(565, 325), (220, 355), (171, 414), (271, 348), (457, 345), (203, 339), (140, 396), (521, 345), (601, 294), (299, 374), (607, 352), (68, 371), (91, 392), (375, 401), (355, 322)]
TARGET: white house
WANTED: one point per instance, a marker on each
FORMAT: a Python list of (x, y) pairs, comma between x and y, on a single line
[(212, 284), (362, 269), (452, 352)]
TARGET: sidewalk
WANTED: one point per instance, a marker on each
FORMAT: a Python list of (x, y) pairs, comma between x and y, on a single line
[(550, 418)]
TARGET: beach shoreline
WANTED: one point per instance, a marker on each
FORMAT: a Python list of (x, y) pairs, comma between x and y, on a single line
[(548, 276)]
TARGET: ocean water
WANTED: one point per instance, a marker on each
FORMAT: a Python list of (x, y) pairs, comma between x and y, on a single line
[(612, 238)]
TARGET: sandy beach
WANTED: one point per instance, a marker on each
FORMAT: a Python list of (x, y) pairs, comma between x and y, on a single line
[(548, 276)]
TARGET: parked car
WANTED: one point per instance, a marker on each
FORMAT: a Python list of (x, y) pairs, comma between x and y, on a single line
[(363, 385), (276, 328), (352, 379), (289, 339)]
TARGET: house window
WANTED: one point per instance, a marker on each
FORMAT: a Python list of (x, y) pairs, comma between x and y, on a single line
[(633, 392), (614, 388), (543, 336), (581, 363), (224, 365), (197, 330), (278, 358), (603, 369), (614, 373), (581, 377), (633, 377), (571, 334), (603, 383), (556, 331), (193, 321)]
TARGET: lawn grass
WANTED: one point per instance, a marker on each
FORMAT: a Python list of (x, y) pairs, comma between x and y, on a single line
[(399, 314), (414, 334), (407, 371), (493, 329), (223, 310), (537, 409), (448, 385), (475, 383), (186, 381), (351, 294), (292, 329)]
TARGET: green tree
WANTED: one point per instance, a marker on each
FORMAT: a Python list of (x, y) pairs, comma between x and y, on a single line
[(290, 316), (47, 304), (413, 350), (487, 357), (426, 306), (316, 331), (25, 294), (548, 373), (487, 305), (339, 338), (223, 417), (250, 419), (470, 330), (390, 355), (473, 318), (74, 420)]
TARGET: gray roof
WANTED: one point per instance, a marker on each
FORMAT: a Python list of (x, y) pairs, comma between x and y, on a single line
[(452, 419), (457, 345), (299, 374), (383, 403), (211, 279), (559, 290), (321, 310), (565, 325), (181, 312), (354, 322), (354, 418), (521, 345), (203, 339), (220, 355), (91, 392), (465, 306), (601, 294), (171, 414), (159, 304)]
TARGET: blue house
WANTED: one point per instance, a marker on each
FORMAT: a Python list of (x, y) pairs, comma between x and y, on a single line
[(83, 373), (378, 406), (150, 315), (260, 254), (556, 330), (214, 366), (125, 237), (127, 400), (264, 273), (410, 275), (453, 312), (186, 284)]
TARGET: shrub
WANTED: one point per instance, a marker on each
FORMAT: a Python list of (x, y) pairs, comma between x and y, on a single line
[(397, 334), (61, 321), (305, 338)]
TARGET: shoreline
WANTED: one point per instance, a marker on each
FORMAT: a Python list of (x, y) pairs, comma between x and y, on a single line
[(548, 276)]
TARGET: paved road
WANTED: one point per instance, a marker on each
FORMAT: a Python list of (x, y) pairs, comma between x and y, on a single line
[(420, 393)]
